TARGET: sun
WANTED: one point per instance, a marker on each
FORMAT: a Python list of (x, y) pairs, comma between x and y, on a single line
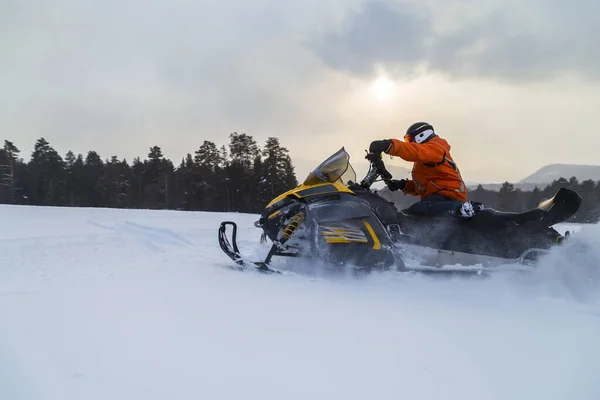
[(382, 89)]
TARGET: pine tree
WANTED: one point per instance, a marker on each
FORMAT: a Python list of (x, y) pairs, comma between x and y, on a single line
[(506, 196), (117, 185), (8, 160), (208, 161), (184, 176), (242, 187), (277, 174), (71, 179), (156, 179), (94, 180), (137, 182), (47, 181), (243, 149)]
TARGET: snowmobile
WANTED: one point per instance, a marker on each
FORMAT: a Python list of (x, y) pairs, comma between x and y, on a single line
[(334, 219)]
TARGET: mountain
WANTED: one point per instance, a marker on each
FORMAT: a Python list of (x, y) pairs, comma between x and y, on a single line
[(546, 175), (549, 173)]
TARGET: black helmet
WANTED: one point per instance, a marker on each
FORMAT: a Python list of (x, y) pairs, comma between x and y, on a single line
[(419, 132)]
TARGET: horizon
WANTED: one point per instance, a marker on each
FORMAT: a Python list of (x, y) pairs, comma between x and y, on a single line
[(511, 85), (25, 155)]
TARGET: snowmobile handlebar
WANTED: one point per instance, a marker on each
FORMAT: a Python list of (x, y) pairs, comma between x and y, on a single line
[(376, 169)]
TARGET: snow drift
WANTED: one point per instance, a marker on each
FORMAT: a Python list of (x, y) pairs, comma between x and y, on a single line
[(131, 304)]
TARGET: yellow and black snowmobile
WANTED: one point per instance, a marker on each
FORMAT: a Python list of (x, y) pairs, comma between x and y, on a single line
[(332, 218)]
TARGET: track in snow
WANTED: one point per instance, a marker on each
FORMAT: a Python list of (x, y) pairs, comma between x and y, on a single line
[(131, 304)]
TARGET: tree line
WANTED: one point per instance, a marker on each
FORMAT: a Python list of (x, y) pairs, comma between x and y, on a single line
[(513, 199), (241, 177), (509, 198)]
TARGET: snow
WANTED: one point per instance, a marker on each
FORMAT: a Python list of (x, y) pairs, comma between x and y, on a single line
[(138, 304)]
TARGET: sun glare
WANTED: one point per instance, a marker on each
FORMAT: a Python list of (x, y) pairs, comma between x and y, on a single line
[(382, 89)]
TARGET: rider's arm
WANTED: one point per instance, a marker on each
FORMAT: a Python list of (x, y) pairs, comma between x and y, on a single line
[(424, 152), (410, 188)]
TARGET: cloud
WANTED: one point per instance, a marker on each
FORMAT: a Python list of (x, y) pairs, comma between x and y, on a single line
[(124, 76), (511, 41), (119, 77)]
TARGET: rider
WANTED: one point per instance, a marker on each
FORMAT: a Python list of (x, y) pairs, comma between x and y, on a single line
[(435, 176)]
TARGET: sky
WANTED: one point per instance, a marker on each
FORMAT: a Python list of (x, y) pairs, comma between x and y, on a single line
[(511, 85)]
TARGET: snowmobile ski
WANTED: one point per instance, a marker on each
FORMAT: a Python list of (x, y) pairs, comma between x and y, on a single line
[(231, 249)]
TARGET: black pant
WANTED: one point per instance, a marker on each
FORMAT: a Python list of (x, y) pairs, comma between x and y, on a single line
[(435, 205)]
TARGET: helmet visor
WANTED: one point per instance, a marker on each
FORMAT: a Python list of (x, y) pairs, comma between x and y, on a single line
[(408, 138)]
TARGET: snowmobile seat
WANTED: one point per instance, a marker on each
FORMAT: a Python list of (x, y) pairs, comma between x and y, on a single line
[(552, 211), (490, 215)]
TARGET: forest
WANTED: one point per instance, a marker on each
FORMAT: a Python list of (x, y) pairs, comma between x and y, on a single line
[(241, 176)]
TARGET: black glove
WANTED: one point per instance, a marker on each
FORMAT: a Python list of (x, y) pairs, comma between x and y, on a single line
[(395, 184), (356, 187), (380, 146)]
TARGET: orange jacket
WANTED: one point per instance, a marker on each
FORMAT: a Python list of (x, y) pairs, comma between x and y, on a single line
[(433, 171)]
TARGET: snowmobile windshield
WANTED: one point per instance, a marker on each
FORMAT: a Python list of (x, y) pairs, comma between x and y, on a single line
[(335, 167)]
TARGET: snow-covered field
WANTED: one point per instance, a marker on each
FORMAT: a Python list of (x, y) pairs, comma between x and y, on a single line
[(121, 304)]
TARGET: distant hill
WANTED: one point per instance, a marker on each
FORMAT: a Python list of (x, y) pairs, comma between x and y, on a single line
[(546, 175), (553, 172), (542, 177), (527, 187)]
